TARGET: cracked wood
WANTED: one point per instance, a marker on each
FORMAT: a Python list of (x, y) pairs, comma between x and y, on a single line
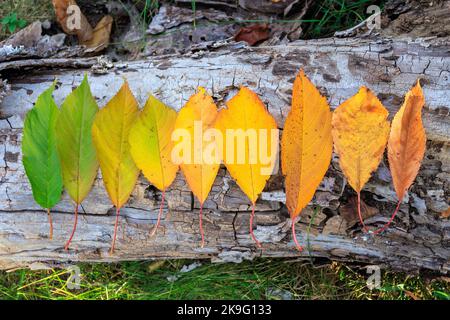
[(419, 239)]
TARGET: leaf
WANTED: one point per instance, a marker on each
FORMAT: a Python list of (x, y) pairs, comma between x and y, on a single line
[(151, 144), (407, 140), (74, 141), (199, 175), (445, 214), (75, 147), (110, 132), (200, 112), (247, 112), (253, 34), (350, 214), (306, 144), (247, 116), (40, 156), (100, 37), (360, 131)]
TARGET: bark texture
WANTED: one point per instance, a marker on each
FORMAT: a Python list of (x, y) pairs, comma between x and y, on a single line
[(418, 239)]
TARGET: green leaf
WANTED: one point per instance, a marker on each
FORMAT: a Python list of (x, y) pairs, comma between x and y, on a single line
[(74, 141), (5, 20), (22, 23), (13, 17), (12, 27), (40, 157)]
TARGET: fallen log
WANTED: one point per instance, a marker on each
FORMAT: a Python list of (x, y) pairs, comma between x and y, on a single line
[(418, 239)]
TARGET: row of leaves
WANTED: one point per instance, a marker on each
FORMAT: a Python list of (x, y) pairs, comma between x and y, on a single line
[(66, 146)]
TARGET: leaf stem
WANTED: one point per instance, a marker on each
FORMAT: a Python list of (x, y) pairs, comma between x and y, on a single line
[(252, 215), (378, 231), (359, 212), (294, 236), (159, 214), (201, 225), (116, 225), (66, 247), (50, 222)]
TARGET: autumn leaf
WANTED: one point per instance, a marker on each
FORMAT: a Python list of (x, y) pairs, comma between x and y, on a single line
[(151, 146), (75, 147), (349, 211), (110, 132), (100, 35), (306, 146), (406, 145), (253, 34), (247, 116), (200, 111), (360, 131), (40, 156)]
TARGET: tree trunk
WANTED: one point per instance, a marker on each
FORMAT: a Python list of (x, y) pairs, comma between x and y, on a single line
[(418, 239)]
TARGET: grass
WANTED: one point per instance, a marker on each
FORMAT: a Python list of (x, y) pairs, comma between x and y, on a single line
[(329, 16), (29, 10), (261, 279)]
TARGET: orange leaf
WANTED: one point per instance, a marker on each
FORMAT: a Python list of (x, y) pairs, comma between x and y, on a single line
[(360, 132), (306, 145), (406, 145), (199, 112)]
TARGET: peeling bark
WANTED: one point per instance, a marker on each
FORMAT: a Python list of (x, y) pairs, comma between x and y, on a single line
[(418, 239)]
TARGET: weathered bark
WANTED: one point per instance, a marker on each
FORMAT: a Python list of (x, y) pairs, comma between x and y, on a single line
[(418, 239)]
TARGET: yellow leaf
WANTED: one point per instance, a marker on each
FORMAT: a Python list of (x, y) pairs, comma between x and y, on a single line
[(194, 119), (247, 130), (151, 144), (199, 112), (407, 140), (110, 131), (250, 144), (360, 131), (306, 145)]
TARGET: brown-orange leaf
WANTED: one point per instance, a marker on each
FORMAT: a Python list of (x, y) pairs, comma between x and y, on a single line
[(406, 145)]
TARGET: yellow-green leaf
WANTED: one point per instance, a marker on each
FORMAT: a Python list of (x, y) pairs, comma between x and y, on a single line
[(110, 132), (151, 144), (74, 141)]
